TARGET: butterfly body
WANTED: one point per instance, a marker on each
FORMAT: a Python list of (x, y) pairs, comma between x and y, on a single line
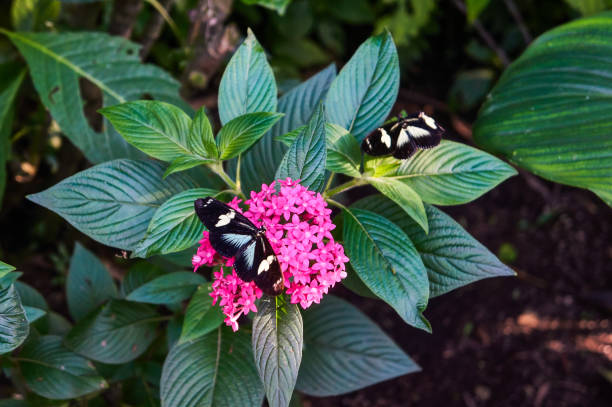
[(232, 234), (403, 137)]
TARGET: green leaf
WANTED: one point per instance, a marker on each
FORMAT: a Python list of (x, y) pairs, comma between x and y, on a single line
[(52, 371), (388, 263), (240, 133), (33, 314), (259, 164), (11, 76), (14, 326), (452, 173), (88, 284), (248, 83), (354, 283), (452, 257), (277, 5), (30, 296), (201, 138), (167, 289), (305, 159), (139, 274), (201, 316), (362, 95), (31, 15), (117, 332), (214, 370), (549, 112), (343, 151), (5, 269), (474, 8), (403, 195), (588, 7), (184, 163), (58, 61), (174, 226), (345, 351), (277, 346), (113, 202), (159, 129)]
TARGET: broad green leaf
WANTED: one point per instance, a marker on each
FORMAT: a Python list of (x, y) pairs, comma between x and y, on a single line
[(362, 95), (240, 133), (167, 289), (201, 138), (113, 202), (9, 279), (159, 129), (277, 5), (259, 164), (277, 346), (305, 159), (214, 370), (174, 226), (140, 273), (52, 371), (452, 257), (30, 296), (248, 83), (117, 332), (88, 284), (345, 351), (388, 263), (343, 151), (474, 8), (354, 283), (33, 314), (201, 316), (404, 196), (14, 326), (5, 269), (288, 138), (11, 76), (452, 173), (185, 162), (57, 324), (58, 61), (549, 112), (31, 15)]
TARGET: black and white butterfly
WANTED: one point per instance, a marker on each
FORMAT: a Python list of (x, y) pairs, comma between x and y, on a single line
[(231, 234), (404, 137)]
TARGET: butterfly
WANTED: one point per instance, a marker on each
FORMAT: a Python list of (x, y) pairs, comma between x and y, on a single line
[(231, 234), (404, 137)]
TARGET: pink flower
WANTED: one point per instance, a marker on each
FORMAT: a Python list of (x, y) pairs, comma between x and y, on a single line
[(298, 226)]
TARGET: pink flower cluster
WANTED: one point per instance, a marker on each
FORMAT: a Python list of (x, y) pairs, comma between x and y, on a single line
[(298, 226)]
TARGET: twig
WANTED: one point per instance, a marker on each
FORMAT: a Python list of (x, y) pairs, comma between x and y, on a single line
[(516, 14), (210, 40), (153, 29), (124, 17), (484, 34)]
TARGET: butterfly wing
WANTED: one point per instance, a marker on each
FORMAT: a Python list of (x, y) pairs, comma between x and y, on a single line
[(382, 141), (425, 132), (257, 261), (229, 230)]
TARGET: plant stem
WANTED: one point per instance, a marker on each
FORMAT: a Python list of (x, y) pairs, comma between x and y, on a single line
[(217, 168), (335, 203), (355, 182)]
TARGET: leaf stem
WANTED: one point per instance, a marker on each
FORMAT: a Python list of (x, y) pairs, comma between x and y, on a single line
[(336, 203), (355, 182), (217, 168)]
